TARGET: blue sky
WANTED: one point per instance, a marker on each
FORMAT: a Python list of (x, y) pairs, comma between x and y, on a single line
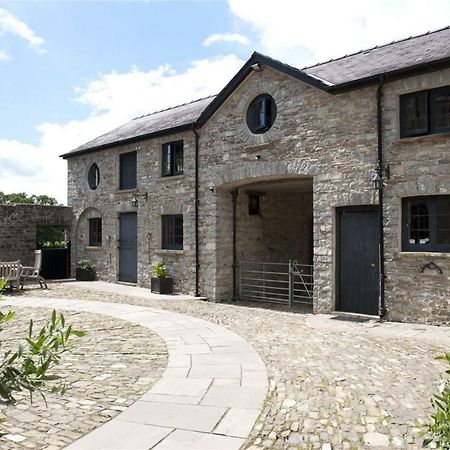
[(70, 71)]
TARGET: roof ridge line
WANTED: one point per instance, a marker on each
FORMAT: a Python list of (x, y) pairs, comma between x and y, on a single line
[(174, 107), (374, 48)]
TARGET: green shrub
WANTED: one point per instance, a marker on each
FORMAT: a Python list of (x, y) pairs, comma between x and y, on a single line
[(28, 367), (86, 264), (159, 270), (439, 431)]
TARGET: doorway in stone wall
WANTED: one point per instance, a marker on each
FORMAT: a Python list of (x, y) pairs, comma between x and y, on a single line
[(271, 222), (55, 249)]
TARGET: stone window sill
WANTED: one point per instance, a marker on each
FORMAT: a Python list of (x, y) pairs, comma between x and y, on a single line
[(169, 178), (424, 254), (164, 251), (439, 137), (93, 247)]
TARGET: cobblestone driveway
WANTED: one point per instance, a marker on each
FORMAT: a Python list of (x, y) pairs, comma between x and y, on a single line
[(328, 389), (110, 367)]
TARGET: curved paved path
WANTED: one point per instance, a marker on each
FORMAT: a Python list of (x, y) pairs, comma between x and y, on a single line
[(208, 398)]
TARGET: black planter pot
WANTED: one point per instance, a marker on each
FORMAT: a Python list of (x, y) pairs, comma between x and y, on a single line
[(162, 285), (84, 274)]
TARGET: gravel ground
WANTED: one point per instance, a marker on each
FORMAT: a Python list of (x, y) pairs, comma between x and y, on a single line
[(328, 389), (109, 368)]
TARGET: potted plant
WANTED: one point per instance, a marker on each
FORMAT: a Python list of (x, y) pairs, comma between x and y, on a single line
[(85, 271), (161, 284)]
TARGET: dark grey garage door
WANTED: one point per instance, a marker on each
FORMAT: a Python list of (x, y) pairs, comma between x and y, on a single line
[(128, 247), (357, 260)]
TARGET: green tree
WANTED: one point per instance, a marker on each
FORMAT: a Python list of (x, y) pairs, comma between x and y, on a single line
[(22, 197)]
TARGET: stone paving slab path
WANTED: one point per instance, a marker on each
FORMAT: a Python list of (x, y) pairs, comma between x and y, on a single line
[(209, 397)]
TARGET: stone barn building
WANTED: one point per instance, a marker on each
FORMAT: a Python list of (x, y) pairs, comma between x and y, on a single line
[(328, 185)]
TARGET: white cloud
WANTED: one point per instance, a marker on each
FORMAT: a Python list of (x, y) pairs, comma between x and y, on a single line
[(225, 37), (12, 25), (301, 33), (113, 99), (4, 55)]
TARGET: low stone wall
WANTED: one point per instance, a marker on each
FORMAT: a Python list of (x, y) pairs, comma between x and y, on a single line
[(18, 225)]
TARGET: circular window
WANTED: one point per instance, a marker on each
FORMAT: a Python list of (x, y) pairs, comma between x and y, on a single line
[(261, 114), (94, 177)]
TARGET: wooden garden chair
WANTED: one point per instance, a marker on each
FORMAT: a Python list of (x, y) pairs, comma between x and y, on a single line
[(11, 271), (33, 273)]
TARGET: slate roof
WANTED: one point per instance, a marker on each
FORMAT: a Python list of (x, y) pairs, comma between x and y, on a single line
[(396, 59), (178, 118), (424, 49)]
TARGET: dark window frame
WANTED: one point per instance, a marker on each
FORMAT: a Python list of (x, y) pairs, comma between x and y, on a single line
[(94, 177), (171, 238), (128, 170), (430, 126), (261, 114), (170, 152), (95, 232), (254, 204), (431, 202)]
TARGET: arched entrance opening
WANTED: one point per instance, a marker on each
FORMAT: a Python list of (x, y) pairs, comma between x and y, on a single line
[(265, 240)]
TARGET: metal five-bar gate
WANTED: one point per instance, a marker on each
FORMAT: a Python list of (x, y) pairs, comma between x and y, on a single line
[(286, 283)]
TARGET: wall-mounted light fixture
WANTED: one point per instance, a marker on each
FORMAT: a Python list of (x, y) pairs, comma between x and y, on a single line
[(380, 176), (256, 67), (257, 157), (135, 198)]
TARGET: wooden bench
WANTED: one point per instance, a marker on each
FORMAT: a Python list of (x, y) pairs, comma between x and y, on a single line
[(11, 272)]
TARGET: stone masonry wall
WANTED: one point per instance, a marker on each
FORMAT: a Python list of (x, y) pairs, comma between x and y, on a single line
[(282, 231), (419, 166), (18, 225), (331, 138), (169, 195)]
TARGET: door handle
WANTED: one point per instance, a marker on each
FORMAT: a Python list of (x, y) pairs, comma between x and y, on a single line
[(373, 265)]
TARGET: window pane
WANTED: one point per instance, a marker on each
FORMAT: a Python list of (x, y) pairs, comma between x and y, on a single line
[(128, 170), (94, 177), (179, 158), (443, 220), (414, 114), (441, 109), (95, 232), (172, 231), (419, 224), (167, 160)]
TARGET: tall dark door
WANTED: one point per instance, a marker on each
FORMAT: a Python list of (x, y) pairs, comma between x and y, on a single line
[(357, 260), (128, 247)]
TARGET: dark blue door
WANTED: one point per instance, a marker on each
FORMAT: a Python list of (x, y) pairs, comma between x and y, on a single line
[(357, 260), (128, 247)]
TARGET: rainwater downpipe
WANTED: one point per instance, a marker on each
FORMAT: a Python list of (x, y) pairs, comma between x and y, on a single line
[(196, 200), (382, 308), (234, 196)]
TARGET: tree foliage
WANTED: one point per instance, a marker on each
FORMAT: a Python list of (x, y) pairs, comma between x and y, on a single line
[(22, 197), (28, 368), (439, 431)]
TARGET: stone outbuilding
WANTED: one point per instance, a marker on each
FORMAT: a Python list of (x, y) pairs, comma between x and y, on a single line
[(328, 185)]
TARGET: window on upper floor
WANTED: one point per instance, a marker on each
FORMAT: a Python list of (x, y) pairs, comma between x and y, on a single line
[(94, 177), (95, 232), (127, 177), (425, 112), (172, 232), (172, 158), (426, 224), (261, 114)]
